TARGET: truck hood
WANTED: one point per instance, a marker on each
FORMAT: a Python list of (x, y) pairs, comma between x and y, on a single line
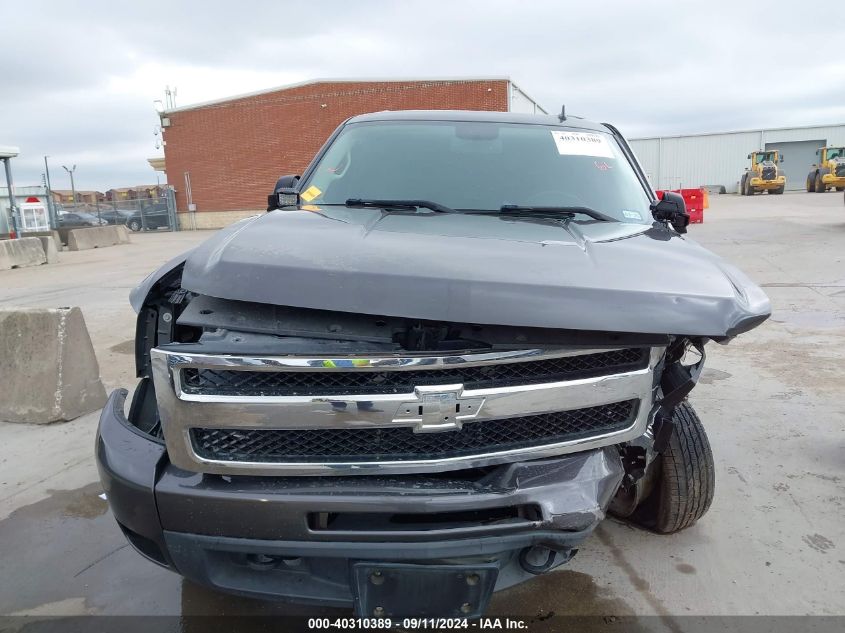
[(485, 269)]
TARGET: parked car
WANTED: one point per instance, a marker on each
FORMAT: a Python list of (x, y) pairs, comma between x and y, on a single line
[(114, 216), (79, 219), (447, 350), (155, 216)]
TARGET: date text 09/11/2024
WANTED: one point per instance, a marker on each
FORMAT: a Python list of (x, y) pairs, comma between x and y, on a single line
[(436, 624)]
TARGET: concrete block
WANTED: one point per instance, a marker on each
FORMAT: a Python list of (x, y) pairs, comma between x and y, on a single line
[(50, 249), (48, 367), (122, 233), (95, 237), (26, 251), (62, 239)]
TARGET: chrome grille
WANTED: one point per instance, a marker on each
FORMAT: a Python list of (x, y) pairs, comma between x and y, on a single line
[(294, 415), (325, 383), (401, 443)]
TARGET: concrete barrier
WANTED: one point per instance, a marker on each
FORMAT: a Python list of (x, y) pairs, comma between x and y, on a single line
[(51, 251), (26, 251), (62, 239), (54, 233), (122, 233), (49, 370), (96, 237)]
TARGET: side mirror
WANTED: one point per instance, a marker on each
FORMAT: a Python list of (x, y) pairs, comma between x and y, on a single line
[(781, 157), (284, 193), (671, 209)]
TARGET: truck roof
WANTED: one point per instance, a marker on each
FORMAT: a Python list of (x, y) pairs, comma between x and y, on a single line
[(476, 115)]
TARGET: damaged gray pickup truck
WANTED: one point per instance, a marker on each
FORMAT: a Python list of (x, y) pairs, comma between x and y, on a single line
[(426, 373)]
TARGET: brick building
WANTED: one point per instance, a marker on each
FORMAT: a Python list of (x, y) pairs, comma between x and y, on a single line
[(226, 155), (133, 193), (66, 196)]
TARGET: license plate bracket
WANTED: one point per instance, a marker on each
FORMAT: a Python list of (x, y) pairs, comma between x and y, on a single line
[(391, 590)]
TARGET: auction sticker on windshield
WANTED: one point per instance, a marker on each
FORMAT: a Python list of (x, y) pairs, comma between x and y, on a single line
[(309, 194), (581, 144)]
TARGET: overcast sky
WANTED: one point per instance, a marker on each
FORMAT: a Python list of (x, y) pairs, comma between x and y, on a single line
[(79, 79)]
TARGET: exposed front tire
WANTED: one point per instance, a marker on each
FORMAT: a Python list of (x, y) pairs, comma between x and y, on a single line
[(820, 188), (685, 478), (777, 191), (840, 188), (134, 225), (811, 185)]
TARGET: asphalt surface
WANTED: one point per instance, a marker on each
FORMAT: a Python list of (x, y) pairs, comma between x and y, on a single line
[(772, 402)]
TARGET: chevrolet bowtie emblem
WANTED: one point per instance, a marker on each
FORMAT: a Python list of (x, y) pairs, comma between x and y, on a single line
[(440, 408)]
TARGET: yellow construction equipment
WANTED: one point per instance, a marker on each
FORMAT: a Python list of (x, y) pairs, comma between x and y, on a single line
[(829, 172), (763, 175)]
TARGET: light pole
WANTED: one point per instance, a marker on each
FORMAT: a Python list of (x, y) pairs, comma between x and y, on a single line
[(6, 154), (54, 220), (72, 186)]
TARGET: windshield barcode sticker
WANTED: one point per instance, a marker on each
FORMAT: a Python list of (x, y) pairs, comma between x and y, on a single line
[(582, 144)]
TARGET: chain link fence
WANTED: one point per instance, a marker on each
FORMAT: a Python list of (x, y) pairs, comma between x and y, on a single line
[(137, 214)]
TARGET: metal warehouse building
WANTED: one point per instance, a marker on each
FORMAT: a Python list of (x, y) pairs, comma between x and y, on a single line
[(718, 159)]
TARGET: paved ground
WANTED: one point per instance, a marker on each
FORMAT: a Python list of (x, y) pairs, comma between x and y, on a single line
[(773, 542)]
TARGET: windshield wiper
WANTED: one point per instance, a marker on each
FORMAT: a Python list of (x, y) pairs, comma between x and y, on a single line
[(400, 204), (556, 211)]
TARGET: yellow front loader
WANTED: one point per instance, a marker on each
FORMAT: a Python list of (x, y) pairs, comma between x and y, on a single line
[(764, 174), (829, 172)]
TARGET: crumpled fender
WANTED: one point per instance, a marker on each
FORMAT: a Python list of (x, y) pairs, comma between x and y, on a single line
[(139, 293)]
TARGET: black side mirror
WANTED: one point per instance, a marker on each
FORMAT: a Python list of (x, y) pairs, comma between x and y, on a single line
[(671, 209), (284, 193), (781, 157)]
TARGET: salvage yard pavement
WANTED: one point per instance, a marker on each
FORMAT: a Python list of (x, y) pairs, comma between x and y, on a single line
[(773, 542)]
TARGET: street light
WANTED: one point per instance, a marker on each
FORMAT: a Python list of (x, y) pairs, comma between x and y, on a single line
[(51, 204), (72, 186)]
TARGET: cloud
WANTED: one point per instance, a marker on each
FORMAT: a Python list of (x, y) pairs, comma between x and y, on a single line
[(79, 78)]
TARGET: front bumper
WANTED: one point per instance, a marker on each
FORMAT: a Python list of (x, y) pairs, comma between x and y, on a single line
[(760, 183), (832, 180), (295, 538)]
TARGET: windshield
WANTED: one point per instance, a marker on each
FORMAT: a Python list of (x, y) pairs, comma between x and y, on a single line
[(835, 152), (766, 156), (479, 166)]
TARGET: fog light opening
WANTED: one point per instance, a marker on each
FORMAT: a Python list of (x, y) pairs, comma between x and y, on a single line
[(537, 560)]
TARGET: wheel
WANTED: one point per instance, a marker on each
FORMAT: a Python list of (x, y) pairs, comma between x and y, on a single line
[(820, 188), (777, 191), (134, 225), (840, 188), (749, 190), (684, 478), (811, 185), (742, 185)]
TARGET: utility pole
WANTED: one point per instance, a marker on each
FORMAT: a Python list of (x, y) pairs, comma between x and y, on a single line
[(51, 207), (72, 186), (14, 228)]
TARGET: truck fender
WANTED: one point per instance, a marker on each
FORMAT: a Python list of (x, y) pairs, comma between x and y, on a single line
[(139, 293)]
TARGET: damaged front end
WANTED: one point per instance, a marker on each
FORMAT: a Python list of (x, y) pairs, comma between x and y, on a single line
[(291, 443)]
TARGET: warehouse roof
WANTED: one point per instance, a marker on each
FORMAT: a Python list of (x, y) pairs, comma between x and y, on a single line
[(343, 80), (747, 131)]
